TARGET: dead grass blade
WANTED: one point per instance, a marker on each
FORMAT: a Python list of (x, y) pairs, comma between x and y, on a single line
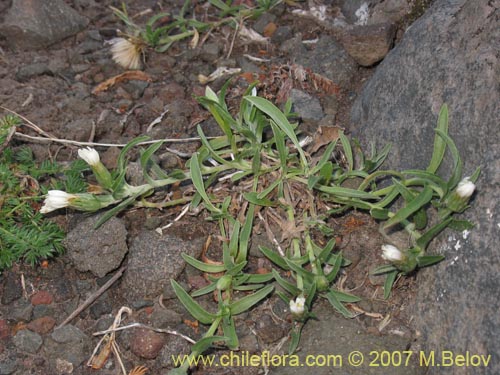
[(136, 75)]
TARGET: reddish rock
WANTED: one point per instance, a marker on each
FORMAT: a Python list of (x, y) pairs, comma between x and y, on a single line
[(41, 298), (146, 344), (4, 329), (369, 44), (42, 325)]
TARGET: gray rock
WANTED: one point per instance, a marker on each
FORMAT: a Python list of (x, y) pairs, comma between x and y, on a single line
[(329, 59), (136, 88), (34, 24), (97, 250), (350, 7), (27, 341), (42, 310), (263, 21), (24, 73), (12, 288), (68, 344), (450, 55), (282, 34), (154, 260), (332, 334), (8, 366), (391, 11), (21, 310), (368, 44), (80, 129), (305, 105), (164, 318), (101, 306), (68, 333), (210, 52)]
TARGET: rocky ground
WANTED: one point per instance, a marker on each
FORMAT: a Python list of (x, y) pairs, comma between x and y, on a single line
[(55, 88)]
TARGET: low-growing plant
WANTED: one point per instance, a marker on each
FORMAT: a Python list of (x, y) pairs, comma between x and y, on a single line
[(25, 234), (260, 168), (160, 35)]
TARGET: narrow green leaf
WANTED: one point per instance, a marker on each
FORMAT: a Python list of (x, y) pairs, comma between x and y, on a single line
[(345, 297), (259, 278), (439, 143), (247, 302), (229, 330), (308, 276), (237, 269), (263, 194), (205, 290), (310, 293), (427, 237), (204, 267), (346, 192), (416, 204), (253, 198), (324, 158), (456, 174), (285, 284), (429, 260), (389, 282), (197, 178), (121, 162), (295, 338), (205, 343), (280, 119), (279, 140), (346, 145), (198, 312), (383, 269), (245, 234), (461, 225), (247, 288), (337, 263), (274, 257), (337, 305), (113, 211), (233, 241), (379, 213)]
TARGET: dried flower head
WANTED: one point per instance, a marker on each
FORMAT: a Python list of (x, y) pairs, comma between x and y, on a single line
[(126, 53)]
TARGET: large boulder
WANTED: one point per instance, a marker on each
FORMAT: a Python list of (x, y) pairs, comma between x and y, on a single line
[(450, 55), (35, 24)]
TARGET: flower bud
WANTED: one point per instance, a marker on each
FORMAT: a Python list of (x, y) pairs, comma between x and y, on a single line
[(392, 253), (101, 173), (457, 200), (56, 199), (89, 155), (297, 307), (465, 188), (322, 283), (224, 282)]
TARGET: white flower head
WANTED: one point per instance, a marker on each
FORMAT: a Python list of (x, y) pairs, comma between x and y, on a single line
[(392, 253), (89, 155), (56, 199), (126, 53), (465, 188), (297, 306)]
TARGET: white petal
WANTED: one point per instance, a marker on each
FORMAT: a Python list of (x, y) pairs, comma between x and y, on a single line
[(89, 155)]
